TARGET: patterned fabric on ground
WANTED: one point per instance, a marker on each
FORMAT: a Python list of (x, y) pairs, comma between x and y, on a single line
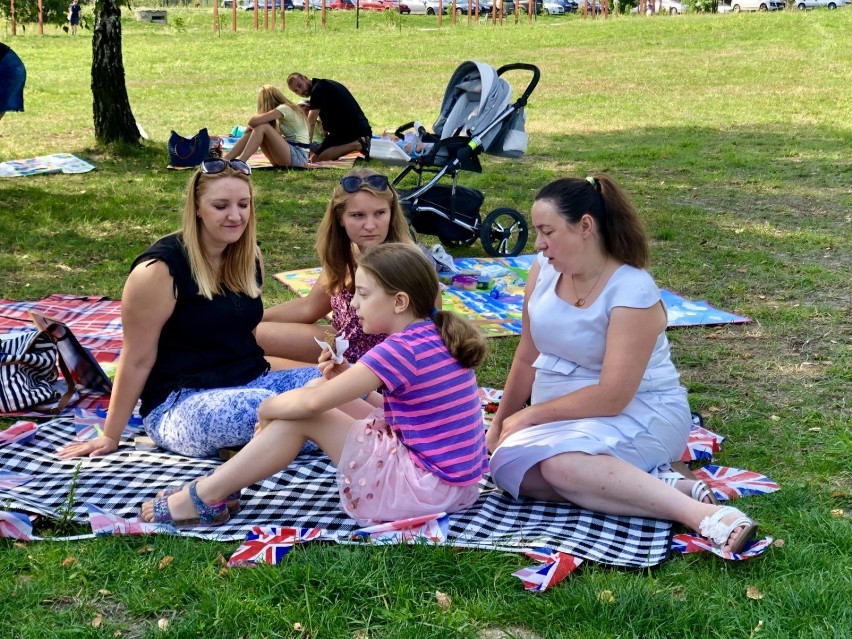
[(44, 164), (501, 316), (305, 495), (95, 321)]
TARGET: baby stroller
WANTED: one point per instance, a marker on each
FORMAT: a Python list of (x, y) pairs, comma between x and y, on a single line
[(476, 116)]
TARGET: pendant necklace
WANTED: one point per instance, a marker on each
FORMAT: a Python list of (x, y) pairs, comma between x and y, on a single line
[(582, 300)]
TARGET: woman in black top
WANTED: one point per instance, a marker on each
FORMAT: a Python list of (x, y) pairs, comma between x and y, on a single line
[(189, 310)]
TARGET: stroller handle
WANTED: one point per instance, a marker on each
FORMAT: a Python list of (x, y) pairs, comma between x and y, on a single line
[(523, 66)]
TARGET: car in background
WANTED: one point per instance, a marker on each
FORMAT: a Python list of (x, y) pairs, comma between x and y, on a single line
[(523, 5), (552, 7), (570, 6), (299, 5), (757, 5), (288, 5), (812, 4), (427, 7), (462, 5), (671, 7)]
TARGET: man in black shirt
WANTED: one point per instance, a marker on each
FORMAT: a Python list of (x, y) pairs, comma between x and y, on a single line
[(345, 124)]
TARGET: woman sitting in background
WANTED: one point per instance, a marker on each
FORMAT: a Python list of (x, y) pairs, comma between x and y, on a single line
[(280, 129), (364, 211)]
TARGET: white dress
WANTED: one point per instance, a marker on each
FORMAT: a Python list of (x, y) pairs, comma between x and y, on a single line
[(653, 428)]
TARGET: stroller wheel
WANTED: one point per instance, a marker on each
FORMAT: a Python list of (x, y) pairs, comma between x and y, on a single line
[(504, 233)]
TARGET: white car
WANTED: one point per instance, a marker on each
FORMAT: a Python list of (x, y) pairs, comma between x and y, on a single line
[(671, 7), (552, 7), (427, 7), (811, 4), (755, 5)]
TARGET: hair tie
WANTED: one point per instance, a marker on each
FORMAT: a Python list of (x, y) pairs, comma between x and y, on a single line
[(593, 182), (433, 313)]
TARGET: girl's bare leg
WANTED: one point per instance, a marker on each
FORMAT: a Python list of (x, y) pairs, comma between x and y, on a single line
[(291, 341), (270, 451)]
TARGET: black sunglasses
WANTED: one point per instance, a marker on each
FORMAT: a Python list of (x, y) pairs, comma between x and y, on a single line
[(217, 165), (353, 183)]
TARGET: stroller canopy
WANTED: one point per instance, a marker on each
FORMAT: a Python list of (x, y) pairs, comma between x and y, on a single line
[(475, 97)]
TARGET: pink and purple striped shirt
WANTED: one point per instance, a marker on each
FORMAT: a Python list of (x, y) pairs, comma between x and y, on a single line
[(432, 402)]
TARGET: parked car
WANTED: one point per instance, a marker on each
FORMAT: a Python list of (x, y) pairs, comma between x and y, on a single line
[(299, 5), (426, 7), (757, 5), (509, 6), (552, 7), (462, 5), (570, 6), (671, 7), (288, 5), (812, 4)]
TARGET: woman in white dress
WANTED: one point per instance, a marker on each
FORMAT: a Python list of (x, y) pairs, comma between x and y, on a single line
[(607, 408)]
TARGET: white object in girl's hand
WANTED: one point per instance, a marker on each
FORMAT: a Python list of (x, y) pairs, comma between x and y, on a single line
[(340, 346)]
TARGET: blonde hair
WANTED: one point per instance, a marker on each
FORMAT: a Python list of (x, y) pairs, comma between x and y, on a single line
[(238, 272), (404, 268), (336, 251), (270, 97)]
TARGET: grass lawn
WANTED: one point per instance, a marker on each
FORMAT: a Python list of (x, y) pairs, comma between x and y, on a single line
[(733, 135)]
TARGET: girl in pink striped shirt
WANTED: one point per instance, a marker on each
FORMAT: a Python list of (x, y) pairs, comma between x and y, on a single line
[(403, 425)]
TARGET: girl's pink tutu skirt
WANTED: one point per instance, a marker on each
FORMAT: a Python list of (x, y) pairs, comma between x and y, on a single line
[(379, 481)]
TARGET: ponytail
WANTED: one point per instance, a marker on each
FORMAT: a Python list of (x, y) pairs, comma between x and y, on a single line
[(465, 342), (619, 225), (399, 267)]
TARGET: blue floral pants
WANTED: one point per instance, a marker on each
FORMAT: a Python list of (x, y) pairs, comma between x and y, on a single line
[(198, 422)]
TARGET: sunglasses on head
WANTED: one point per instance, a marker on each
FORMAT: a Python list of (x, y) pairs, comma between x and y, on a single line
[(353, 183), (217, 165)]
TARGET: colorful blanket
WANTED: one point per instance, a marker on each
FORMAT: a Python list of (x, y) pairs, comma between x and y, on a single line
[(501, 316), (43, 164), (306, 496)]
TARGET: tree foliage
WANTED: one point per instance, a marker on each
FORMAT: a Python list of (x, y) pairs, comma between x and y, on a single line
[(55, 13)]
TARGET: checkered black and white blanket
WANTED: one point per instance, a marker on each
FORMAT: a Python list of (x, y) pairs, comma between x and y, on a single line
[(305, 495)]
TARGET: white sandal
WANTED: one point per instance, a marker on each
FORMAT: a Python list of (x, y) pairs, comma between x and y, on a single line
[(718, 532), (700, 490)]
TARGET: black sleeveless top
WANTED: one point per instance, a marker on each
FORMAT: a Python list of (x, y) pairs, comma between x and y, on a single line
[(205, 343)]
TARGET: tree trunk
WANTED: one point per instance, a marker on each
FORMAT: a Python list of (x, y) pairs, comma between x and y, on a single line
[(114, 121)]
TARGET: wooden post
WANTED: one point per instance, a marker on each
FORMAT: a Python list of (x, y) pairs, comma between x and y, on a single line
[(440, 12), (453, 9), (323, 15), (530, 10), (40, 18), (265, 16), (234, 16), (283, 15), (215, 17), (255, 13)]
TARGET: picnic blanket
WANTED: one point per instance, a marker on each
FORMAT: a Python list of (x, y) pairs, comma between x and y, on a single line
[(43, 164), (502, 316), (259, 160), (95, 321), (305, 495)]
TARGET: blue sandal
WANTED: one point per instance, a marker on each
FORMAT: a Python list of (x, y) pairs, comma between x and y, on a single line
[(232, 501), (207, 515)]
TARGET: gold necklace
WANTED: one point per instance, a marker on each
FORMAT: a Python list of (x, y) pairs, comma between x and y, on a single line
[(582, 300)]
